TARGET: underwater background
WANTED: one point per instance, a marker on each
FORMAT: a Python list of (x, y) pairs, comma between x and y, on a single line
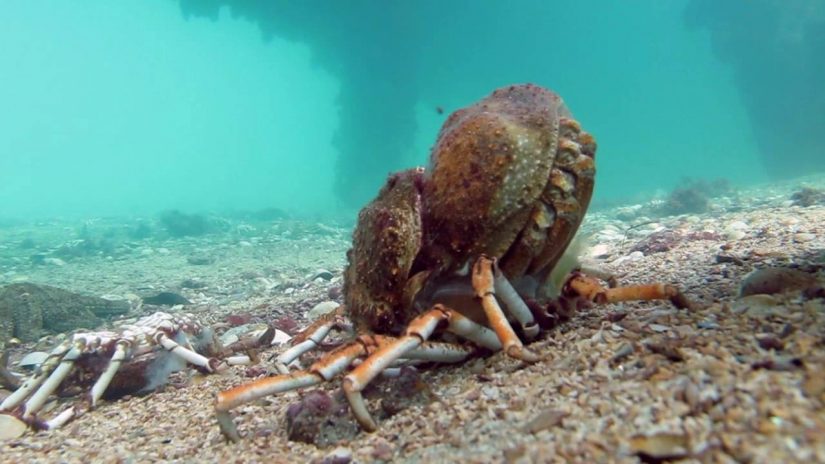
[(136, 107)]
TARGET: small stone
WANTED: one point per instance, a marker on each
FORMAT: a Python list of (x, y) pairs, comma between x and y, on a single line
[(54, 261), (321, 308), (244, 243), (322, 274), (598, 251), (773, 280), (755, 305), (11, 427), (545, 420), (33, 359), (660, 446), (658, 327), (339, 455), (803, 237), (166, 299), (280, 337), (382, 449), (734, 235)]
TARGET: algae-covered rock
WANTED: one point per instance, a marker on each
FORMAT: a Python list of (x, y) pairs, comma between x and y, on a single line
[(27, 310)]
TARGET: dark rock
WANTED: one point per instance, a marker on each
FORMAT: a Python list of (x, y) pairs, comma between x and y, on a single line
[(200, 260), (321, 419), (405, 390), (808, 197), (166, 299), (192, 283), (658, 242), (180, 224), (772, 280), (140, 231), (323, 274)]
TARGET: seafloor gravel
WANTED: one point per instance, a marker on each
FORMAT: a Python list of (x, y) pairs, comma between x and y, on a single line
[(738, 380)]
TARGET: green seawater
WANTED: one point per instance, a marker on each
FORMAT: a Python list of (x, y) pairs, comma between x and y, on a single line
[(137, 107)]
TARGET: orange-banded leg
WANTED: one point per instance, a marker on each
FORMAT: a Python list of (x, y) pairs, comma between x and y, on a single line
[(483, 284), (410, 345), (308, 339), (592, 290), (322, 370)]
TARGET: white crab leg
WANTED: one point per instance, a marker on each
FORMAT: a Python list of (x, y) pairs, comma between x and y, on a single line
[(60, 419), (66, 363), (515, 304), (313, 336), (238, 360), (473, 331), (107, 376), (184, 353), (37, 379), (439, 352)]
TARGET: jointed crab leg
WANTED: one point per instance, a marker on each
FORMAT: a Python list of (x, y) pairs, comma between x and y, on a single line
[(66, 363), (32, 383), (484, 287), (515, 304), (311, 337), (473, 331), (185, 353), (417, 332), (590, 289), (107, 376), (320, 371)]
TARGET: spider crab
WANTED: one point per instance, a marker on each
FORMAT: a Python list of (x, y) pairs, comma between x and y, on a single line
[(123, 361), (457, 257)]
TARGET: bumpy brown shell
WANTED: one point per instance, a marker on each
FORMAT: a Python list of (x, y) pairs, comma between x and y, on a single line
[(510, 177)]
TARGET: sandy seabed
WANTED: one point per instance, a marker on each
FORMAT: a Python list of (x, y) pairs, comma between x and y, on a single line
[(737, 380)]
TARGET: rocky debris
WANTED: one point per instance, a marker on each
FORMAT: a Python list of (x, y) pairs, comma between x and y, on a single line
[(33, 359), (27, 310), (808, 196), (693, 196), (324, 307), (179, 224), (773, 280), (166, 299), (200, 260), (321, 419)]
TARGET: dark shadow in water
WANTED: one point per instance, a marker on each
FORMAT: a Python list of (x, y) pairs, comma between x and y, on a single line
[(777, 51)]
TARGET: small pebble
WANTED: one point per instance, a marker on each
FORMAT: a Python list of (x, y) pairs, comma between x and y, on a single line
[(803, 237), (321, 308)]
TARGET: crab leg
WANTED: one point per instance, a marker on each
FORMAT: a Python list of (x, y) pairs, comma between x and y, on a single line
[(311, 337), (66, 363), (590, 289), (417, 332), (37, 379), (320, 371), (473, 331), (484, 287), (515, 304), (60, 419), (185, 353), (107, 376)]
